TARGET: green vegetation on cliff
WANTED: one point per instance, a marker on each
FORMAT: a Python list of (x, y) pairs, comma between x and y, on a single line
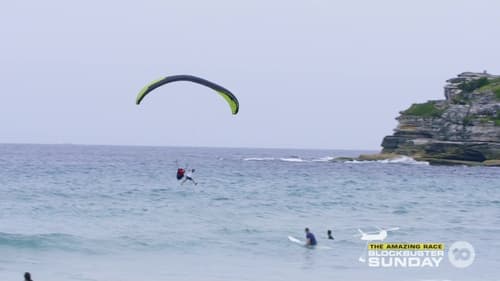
[(472, 85), (427, 109), (461, 99), (494, 86)]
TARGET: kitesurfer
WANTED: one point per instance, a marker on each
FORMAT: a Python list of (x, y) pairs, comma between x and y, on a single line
[(329, 233), (310, 239), (189, 176)]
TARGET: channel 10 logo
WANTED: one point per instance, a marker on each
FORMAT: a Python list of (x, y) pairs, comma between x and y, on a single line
[(461, 254)]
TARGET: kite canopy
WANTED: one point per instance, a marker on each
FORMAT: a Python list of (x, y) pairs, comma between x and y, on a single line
[(225, 93)]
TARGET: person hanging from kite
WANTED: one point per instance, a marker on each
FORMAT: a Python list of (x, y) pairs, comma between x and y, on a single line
[(185, 173)]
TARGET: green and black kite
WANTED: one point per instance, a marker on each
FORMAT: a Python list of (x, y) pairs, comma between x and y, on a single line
[(225, 93)]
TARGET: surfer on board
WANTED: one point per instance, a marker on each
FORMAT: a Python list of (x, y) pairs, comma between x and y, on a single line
[(310, 239)]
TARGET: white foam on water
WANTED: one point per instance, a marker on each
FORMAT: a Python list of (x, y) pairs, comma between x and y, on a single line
[(323, 159), (292, 159), (259, 159), (399, 160)]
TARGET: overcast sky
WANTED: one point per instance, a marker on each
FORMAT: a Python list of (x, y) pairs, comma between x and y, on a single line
[(308, 74)]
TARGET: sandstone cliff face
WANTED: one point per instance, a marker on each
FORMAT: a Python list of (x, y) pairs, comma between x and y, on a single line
[(464, 126)]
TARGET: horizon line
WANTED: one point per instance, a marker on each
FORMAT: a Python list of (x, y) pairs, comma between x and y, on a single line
[(188, 146)]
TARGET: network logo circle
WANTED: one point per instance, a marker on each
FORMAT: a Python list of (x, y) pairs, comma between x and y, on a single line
[(461, 254)]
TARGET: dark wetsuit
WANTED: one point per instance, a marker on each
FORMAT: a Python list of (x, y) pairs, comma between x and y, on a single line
[(311, 238)]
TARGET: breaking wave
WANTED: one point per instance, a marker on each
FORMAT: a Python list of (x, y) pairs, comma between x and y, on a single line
[(259, 159), (399, 160), (324, 159), (294, 159)]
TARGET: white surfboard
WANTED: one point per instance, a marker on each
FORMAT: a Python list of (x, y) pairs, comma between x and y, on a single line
[(303, 244), (296, 241)]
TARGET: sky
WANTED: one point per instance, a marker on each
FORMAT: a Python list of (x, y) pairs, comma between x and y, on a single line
[(308, 74)]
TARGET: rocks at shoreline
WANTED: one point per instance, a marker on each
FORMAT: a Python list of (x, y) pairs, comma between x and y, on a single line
[(463, 129)]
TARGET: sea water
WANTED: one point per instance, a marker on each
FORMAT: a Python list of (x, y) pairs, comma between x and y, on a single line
[(71, 212)]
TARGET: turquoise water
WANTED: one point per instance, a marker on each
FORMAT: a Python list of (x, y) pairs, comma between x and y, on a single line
[(72, 212)]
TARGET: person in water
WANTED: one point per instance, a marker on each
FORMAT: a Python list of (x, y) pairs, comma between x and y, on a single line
[(27, 277), (329, 233), (310, 239), (189, 176)]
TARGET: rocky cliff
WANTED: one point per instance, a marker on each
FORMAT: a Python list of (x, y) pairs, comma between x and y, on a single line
[(465, 126)]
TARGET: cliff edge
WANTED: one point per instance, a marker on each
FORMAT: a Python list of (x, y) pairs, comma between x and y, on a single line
[(464, 128)]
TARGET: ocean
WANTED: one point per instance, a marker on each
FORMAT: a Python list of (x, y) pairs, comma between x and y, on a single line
[(73, 212)]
